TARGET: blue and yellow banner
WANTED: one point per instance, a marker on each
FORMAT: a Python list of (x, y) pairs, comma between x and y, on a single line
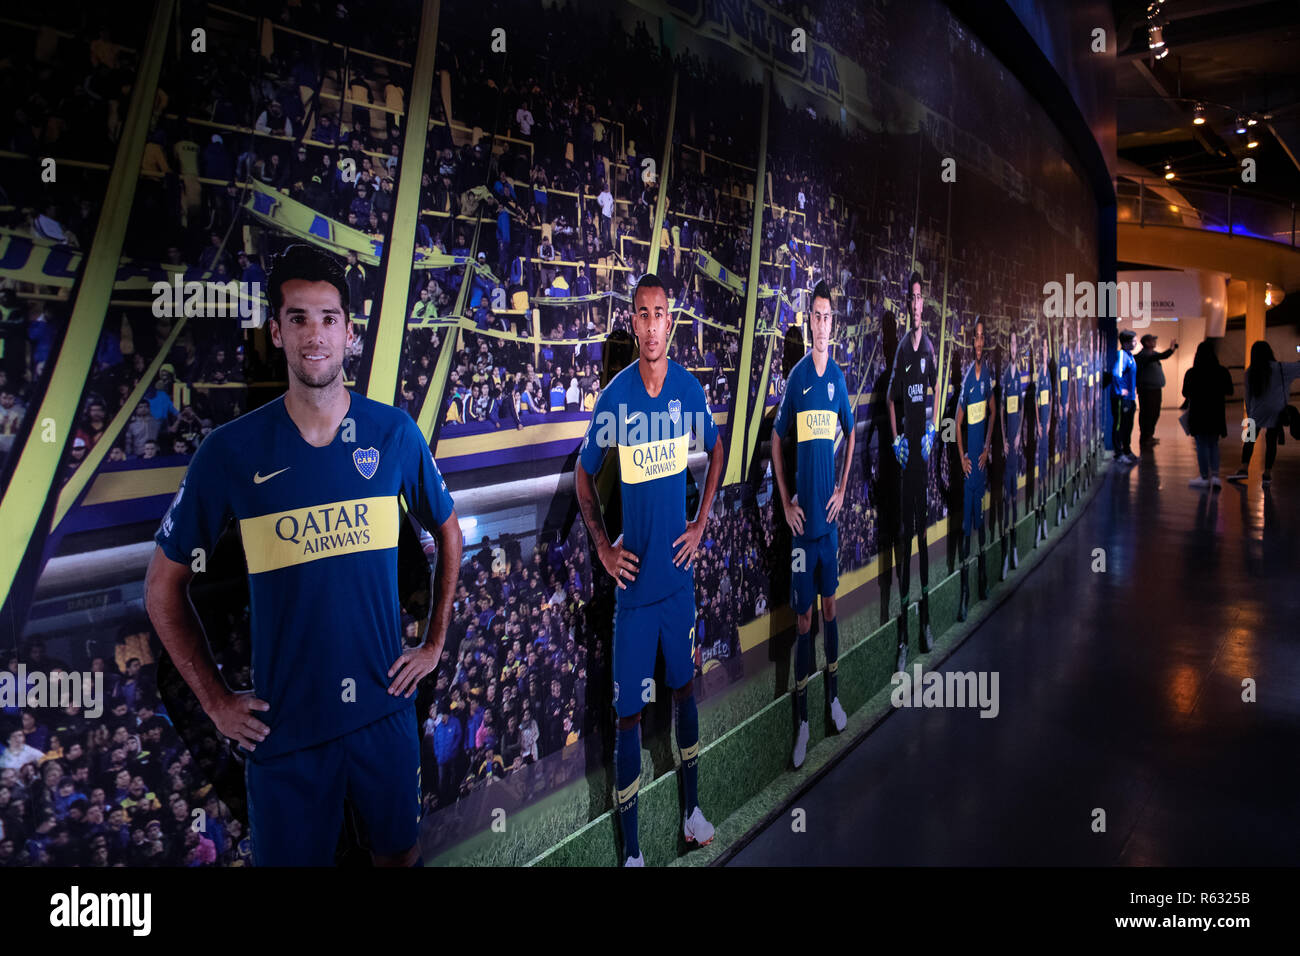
[(719, 273), (278, 210), (688, 314), (25, 260), (579, 299)]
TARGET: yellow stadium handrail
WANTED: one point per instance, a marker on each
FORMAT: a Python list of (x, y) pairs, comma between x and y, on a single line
[(721, 159), (382, 107), (227, 127), (310, 36)]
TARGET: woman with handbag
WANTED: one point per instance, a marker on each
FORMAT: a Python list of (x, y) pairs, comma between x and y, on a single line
[(1268, 383), (1206, 386)]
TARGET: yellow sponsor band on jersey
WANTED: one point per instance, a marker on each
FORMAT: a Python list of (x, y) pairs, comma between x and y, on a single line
[(1078, 371), (629, 792), (975, 412), (815, 424), (1065, 373), (1044, 396), (653, 459), (286, 538), (1013, 404), (1091, 380)]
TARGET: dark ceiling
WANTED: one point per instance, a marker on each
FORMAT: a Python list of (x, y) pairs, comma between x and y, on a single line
[(1237, 56)]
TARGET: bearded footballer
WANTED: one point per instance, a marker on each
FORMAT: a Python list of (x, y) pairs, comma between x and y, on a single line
[(315, 480)]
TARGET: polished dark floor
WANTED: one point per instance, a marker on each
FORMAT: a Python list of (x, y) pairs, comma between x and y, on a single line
[(1119, 690)]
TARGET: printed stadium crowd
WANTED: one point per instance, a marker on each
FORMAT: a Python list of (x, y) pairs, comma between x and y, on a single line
[(227, 118), (573, 217), (512, 687), (552, 190), (119, 789), (65, 81)]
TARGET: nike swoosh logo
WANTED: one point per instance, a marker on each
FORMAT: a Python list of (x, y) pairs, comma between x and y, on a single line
[(628, 421), (807, 390), (258, 479)]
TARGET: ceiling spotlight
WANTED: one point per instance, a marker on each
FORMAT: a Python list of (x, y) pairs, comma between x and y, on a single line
[(1251, 121), (1241, 124), (1164, 52), (1155, 36), (1198, 115), (1252, 142), (1169, 171)]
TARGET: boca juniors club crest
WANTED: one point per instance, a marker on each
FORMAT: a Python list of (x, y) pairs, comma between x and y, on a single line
[(922, 364), (830, 391), (674, 411), (366, 460)]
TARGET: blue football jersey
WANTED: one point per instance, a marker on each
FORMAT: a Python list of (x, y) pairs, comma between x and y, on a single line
[(652, 437), (1044, 389), (1012, 397), (975, 394), (813, 404), (319, 529)]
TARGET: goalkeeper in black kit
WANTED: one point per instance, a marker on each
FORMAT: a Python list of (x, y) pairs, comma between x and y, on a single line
[(914, 376)]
